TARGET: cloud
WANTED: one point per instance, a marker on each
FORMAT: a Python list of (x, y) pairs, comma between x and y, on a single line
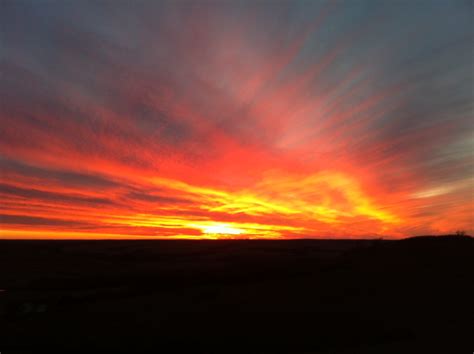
[(279, 119), (37, 221)]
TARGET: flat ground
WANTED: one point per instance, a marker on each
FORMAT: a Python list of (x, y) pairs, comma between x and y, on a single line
[(300, 296)]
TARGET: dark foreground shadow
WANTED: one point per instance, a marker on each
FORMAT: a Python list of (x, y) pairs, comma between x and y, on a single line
[(301, 296)]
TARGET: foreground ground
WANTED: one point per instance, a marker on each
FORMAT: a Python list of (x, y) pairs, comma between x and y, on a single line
[(301, 296)]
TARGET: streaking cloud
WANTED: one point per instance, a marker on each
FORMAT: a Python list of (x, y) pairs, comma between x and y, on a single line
[(236, 119)]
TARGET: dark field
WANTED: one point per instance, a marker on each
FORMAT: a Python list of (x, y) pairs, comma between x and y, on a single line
[(300, 296)]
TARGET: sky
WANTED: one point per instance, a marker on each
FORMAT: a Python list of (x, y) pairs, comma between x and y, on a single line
[(236, 119)]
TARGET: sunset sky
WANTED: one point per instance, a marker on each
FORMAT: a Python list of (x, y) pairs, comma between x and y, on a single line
[(236, 119)]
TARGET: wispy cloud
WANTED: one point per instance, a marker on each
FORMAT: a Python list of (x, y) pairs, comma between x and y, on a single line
[(288, 119)]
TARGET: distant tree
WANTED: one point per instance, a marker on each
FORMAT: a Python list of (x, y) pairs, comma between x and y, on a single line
[(460, 233)]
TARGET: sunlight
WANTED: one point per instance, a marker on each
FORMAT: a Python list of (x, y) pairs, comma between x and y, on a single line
[(221, 229)]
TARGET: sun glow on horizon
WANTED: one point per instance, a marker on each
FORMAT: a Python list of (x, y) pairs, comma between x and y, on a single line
[(221, 229)]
